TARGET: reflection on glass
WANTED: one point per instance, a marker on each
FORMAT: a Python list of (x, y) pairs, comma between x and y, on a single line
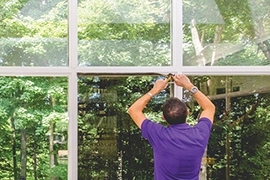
[(34, 33), (33, 124), (226, 33), (110, 145), (124, 33), (239, 142)]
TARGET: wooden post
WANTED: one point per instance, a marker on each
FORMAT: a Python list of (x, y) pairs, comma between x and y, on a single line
[(203, 172), (228, 144)]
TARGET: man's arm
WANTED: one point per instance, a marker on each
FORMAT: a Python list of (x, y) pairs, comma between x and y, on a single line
[(136, 109), (207, 106)]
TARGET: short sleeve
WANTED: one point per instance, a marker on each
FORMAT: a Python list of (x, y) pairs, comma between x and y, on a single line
[(205, 126), (150, 131), (205, 123)]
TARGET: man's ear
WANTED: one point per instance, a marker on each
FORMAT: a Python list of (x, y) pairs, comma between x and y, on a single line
[(163, 117), (188, 112)]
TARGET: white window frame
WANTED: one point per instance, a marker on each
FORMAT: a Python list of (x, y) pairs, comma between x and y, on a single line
[(72, 71)]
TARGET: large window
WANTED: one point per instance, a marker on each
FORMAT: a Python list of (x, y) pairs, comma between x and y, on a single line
[(83, 62)]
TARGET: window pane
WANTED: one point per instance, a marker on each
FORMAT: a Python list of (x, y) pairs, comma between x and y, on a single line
[(239, 142), (109, 143), (226, 33), (34, 125), (33, 33), (124, 33)]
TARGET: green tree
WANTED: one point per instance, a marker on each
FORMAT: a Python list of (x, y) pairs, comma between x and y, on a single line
[(103, 104), (27, 102), (224, 33), (242, 136)]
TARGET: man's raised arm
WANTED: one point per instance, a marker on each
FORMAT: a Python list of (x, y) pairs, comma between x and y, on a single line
[(207, 106), (136, 109)]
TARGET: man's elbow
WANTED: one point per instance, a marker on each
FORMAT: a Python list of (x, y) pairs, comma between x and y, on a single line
[(130, 110), (213, 107), (212, 110)]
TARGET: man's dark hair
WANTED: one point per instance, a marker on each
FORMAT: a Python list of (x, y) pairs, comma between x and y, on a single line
[(174, 111)]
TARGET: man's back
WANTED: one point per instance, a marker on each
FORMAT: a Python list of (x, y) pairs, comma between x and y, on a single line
[(178, 149), (184, 163)]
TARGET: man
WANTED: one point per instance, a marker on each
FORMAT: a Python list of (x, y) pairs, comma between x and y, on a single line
[(178, 148)]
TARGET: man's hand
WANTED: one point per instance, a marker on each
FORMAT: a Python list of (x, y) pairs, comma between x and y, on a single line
[(159, 86), (136, 109), (183, 81)]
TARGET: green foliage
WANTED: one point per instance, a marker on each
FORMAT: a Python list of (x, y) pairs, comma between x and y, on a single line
[(249, 138), (107, 35), (30, 103), (248, 130), (132, 155), (124, 33), (232, 31), (134, 33), (59, 171)]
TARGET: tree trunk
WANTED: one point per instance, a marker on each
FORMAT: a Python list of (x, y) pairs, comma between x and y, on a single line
[(23, 154), (35, 155), (14, 149), (53, 159), (217, 40), (263, 43), (52, 154), (203, 172), (197, 44), (228, 154), (265, 48), (228, 141)]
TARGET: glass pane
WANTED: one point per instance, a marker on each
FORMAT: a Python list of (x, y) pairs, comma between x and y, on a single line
[(226, 33), (124, 33), (240, 138), (33, 33), (110, 145), (34, 125)]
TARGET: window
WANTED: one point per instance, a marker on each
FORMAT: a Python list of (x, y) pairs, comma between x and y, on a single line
[(222, 43)]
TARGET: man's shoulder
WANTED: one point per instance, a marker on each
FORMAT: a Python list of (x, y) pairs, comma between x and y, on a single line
[(204, 120), (148, 122), (204, 123), (151, 130), (151, 126)]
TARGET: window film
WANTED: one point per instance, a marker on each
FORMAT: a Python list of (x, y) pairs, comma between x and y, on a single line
[(239, 140), (34, 33), (226, 33), (124, 33)]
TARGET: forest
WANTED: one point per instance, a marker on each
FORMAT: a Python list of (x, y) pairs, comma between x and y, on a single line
[(34, 115)]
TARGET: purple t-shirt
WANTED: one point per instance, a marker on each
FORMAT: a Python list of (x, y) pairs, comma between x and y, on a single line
[(178, 148)]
